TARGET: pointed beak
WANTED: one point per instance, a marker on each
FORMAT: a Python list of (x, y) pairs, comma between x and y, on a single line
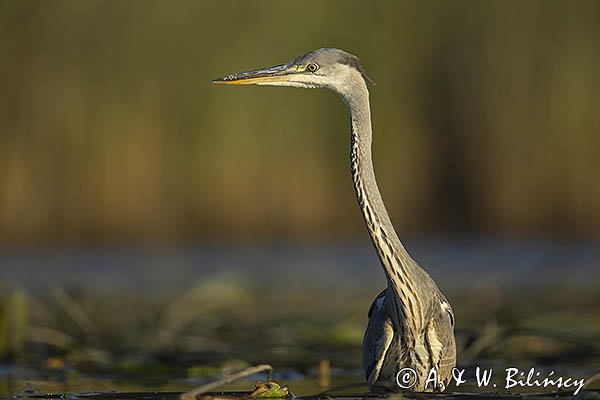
[(263, 76)]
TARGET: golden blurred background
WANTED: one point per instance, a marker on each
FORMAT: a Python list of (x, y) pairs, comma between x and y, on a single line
[(486, 119)]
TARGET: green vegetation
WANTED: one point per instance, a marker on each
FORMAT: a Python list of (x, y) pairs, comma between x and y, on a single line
[(270, 390), (214, 328), (13, 323), (486, 118)]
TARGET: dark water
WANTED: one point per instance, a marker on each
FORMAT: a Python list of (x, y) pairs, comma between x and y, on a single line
[(454, 263), (167, 320)]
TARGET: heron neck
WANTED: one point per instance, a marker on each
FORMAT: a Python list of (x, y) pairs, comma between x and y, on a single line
[(400, 269)]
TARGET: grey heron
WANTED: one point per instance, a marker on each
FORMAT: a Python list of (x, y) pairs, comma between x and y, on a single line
[(409, 341)]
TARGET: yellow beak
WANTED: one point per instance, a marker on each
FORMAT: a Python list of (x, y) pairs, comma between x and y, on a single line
[(278, 73)]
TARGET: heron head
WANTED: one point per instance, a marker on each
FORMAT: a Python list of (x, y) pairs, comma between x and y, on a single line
[(323, 68)]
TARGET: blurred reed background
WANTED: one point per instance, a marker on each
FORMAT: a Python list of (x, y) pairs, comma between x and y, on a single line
[(486, 120)]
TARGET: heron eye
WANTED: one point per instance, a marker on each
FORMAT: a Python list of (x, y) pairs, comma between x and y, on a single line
[(312, 67)]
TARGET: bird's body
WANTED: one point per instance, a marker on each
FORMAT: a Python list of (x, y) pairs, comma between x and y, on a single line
[(411, 324)]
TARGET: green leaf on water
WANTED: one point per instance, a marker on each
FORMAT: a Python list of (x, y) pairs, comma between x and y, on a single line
[(270, 390)]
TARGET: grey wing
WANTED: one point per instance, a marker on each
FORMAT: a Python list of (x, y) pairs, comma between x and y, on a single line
[(377, 340), (441, 342)]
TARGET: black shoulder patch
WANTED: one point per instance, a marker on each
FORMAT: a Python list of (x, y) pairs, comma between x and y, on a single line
[(372, 308)]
